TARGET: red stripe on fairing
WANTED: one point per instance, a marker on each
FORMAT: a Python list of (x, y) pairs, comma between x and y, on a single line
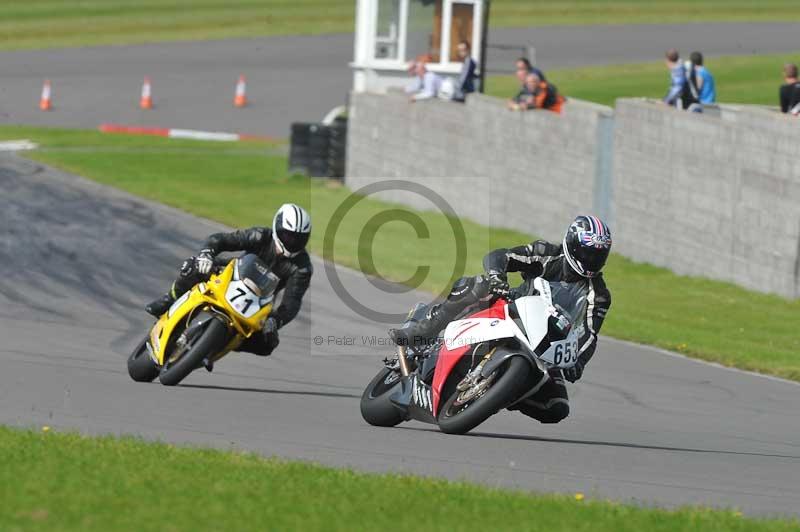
[(449, 358), (466, 329)]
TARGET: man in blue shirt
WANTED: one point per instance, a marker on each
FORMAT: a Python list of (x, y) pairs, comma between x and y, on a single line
[(706, 89)]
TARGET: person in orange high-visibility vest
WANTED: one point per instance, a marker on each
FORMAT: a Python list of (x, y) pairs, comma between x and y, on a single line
[(540, 95)]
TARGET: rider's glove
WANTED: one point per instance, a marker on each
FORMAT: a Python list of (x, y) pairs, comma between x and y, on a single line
[(574, 373), (204, 262), (498, 284)]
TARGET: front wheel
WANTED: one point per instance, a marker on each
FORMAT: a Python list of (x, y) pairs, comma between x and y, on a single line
[(141, 367), (198, 347), (376, 408), (465, 410)]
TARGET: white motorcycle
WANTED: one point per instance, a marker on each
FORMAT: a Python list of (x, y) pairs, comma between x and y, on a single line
[(486, 361)]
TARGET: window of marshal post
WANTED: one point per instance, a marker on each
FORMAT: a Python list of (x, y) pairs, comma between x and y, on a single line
[(387, 30), (424, 29)]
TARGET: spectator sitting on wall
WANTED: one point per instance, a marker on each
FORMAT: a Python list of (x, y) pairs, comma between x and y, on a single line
[(541, 95), (790, 90), (681, 93), (678, 78), (706, 88), (524, 68), (425, 85), (466, 79)]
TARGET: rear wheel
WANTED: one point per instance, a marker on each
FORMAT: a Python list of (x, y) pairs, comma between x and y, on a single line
[(376, 408), (141, 367), (465, 410), (198, 346)]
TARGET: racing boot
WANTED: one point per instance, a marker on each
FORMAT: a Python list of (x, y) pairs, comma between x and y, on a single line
[(182, 284), (159, 306), (423, 331)]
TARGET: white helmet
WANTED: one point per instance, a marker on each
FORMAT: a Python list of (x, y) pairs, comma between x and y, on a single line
[(291, 228)]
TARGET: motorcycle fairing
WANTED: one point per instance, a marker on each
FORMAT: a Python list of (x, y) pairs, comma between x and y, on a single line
[(474, 330), (531, 309), (208, 295), (413, 397), (448, 358)]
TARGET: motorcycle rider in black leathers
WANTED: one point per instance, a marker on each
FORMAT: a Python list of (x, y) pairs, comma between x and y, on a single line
[(281, 247), (579, 259)]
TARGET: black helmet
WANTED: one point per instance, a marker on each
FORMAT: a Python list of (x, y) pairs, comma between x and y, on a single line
[(291, 229), (587, 245)]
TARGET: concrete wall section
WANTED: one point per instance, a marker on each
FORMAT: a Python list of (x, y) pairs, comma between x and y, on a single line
[(712, 196), (528, 171)]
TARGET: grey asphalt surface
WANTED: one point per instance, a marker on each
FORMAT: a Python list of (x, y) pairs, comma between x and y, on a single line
[(80, 260), (298, 79)]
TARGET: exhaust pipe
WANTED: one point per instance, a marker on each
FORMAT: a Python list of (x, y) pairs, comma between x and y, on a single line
[(401, 357)]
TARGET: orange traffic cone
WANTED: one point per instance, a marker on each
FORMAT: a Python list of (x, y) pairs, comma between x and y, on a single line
[(240, 100), (45, 104), (146, 102)]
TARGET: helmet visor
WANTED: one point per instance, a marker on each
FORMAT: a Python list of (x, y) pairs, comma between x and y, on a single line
[(293, 241), (591, 259)]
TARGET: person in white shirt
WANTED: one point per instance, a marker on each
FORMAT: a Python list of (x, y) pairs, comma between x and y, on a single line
[(425, 85)]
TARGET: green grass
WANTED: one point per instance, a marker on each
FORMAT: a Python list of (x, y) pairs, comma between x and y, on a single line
[(241, 184), (57, 23), (522, 13), (739, 79), (53, 481)]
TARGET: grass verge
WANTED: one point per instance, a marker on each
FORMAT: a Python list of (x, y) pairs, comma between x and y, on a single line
[(242, 184), (739, 79), (57, 481), (55, 23)]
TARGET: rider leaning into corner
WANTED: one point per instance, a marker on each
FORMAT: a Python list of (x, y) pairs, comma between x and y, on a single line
[(579, 259), (281, 247)]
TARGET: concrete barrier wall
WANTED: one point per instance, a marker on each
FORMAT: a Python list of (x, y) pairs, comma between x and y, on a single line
[(525, 171), (716, 196), (711, 196)]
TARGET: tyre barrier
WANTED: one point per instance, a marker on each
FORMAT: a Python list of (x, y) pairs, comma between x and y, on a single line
[(318, 150)]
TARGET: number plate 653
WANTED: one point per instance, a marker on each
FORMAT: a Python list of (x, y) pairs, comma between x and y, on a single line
[(562, 354)]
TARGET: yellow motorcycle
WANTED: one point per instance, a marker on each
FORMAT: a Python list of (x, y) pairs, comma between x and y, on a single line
[(207, 322)]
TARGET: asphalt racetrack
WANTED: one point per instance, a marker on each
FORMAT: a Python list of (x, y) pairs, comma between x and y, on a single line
[(80, 260), (300, 78)]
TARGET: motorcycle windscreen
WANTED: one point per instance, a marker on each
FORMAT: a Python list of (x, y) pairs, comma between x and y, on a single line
[(256, 275), (530, 314), (570, 299)]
